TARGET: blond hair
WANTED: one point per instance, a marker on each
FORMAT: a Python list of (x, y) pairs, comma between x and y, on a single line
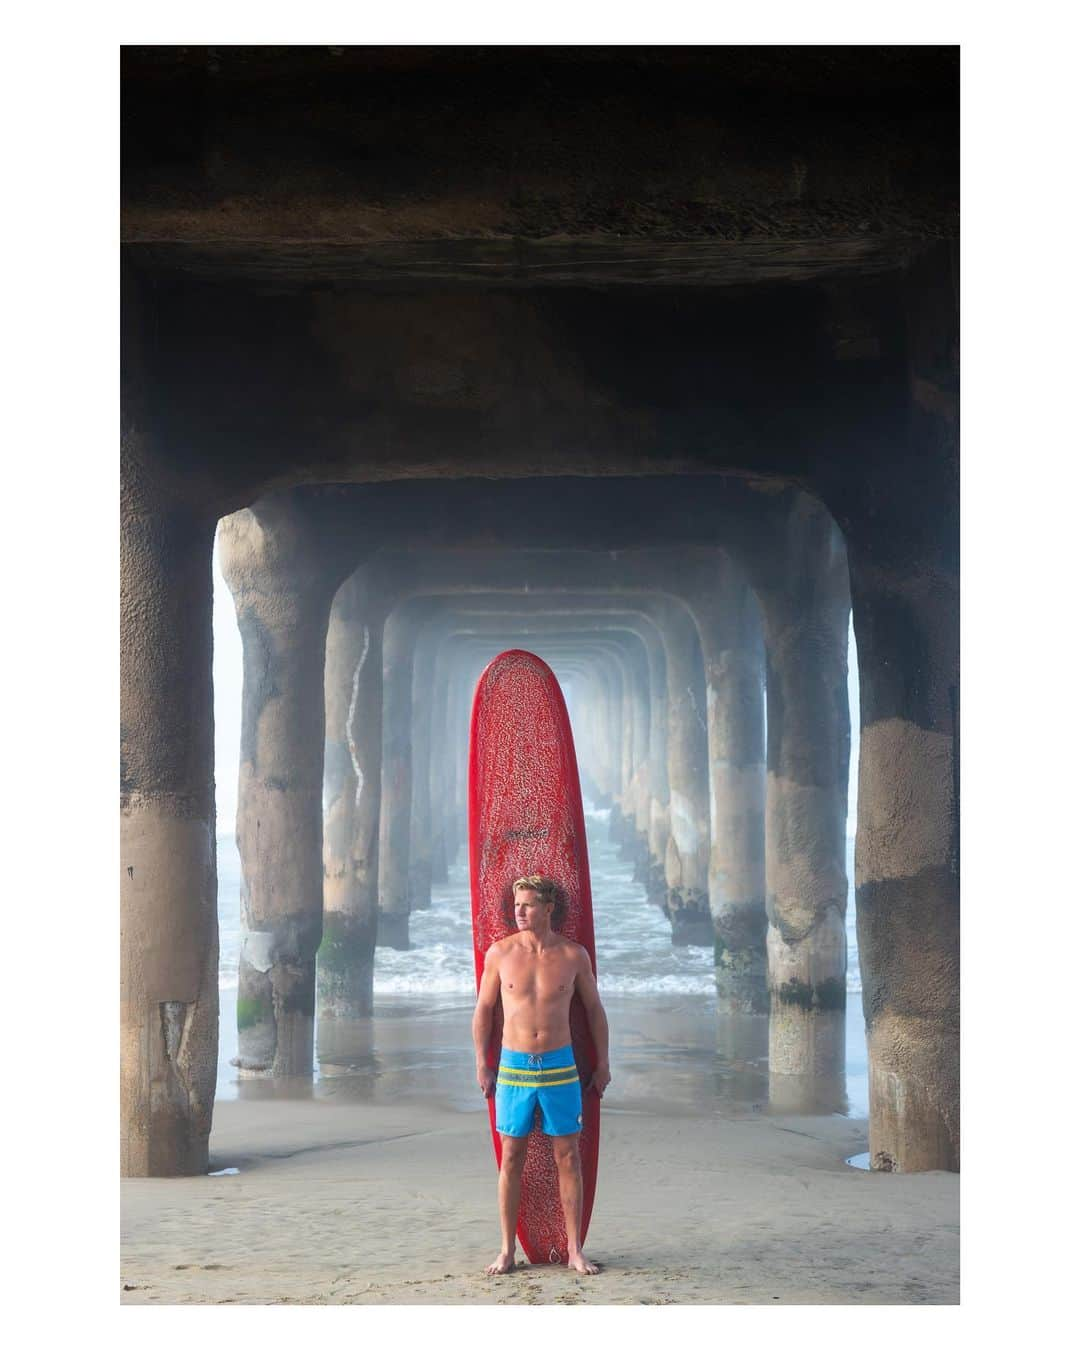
[(545, 888)]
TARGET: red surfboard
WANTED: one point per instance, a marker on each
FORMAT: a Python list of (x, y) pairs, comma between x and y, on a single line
[(525, 818)]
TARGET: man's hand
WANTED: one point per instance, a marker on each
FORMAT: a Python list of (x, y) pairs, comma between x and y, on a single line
[(486, 1078), (600, 1079)]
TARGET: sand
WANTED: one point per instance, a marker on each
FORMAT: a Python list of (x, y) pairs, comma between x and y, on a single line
[(384, 1191)]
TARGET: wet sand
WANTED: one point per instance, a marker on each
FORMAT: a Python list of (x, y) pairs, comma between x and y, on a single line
[(377, 1184)]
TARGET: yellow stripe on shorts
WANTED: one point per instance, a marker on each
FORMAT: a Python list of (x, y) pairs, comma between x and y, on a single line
[(548, 1081)]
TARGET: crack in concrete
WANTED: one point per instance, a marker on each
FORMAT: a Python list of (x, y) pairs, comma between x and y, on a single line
[(354, 753)]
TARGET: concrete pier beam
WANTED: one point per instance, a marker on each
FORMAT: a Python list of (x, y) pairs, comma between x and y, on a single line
[(168, 873), (806, 611), (351, 795), (728, 620), (283, 567)]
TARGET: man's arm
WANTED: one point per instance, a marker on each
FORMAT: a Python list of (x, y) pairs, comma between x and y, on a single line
[(587, 990), (487, 998)]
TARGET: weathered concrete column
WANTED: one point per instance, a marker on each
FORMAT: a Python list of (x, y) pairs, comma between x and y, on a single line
[(420, 826), (464, 661), (634, 802), (626, 726), (611, 729), (168, 873), (437, 773), (686, 862), (352, 789), (728, 620), (610, 673), (652, 875), (806, 610), (610, 656), (580, 701), (905, 577), (452, 751), (627, 805), (466, 671), (907, 860), (639, 711), (613, 647), (399, 639), (283, 570), (456, 672), (580, 705), (587, 716)]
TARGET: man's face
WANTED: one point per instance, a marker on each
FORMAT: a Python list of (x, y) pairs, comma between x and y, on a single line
[(531, 912)]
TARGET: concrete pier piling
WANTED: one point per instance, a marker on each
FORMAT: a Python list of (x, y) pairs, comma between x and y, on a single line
[(728, 620), (399, 641), (905, 580), (168, 867), (686, 860), (806, 612), (283, 568), (352, 794), (420, 830)]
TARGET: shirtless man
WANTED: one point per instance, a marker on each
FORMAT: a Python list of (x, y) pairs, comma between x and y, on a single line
[(537, 972)]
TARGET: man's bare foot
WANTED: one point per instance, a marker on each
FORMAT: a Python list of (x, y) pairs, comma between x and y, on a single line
[(504, 1264), (581, 1264)]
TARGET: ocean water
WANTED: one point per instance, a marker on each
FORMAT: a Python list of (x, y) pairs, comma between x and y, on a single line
[(645, 980)]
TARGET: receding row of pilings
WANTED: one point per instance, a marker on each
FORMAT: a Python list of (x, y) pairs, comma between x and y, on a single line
[(362, 703), (359, 662)]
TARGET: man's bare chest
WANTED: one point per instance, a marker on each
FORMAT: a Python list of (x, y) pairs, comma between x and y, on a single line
[(537, 977)]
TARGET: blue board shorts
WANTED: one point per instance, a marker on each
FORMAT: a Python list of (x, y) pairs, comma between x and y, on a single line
[(530, 1081)]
